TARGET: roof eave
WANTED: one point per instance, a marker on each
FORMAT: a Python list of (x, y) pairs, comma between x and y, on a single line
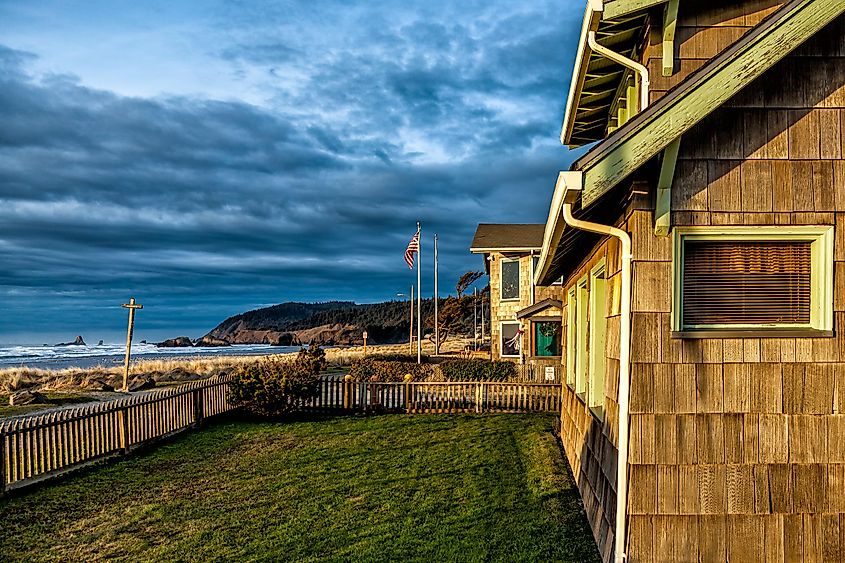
[(506, 249), (592, 17), (649, 132)]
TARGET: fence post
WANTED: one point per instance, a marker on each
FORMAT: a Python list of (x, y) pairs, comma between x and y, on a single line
[(347, 392), (2, 462), (478, 394), (199, 407), (407, 379), (123, 423)]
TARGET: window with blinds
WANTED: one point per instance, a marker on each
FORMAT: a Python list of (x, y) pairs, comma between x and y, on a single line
[(752, 279), (747, 283)]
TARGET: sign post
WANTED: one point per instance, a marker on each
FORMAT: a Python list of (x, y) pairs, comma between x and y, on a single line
[(131, 306), (365, 343)]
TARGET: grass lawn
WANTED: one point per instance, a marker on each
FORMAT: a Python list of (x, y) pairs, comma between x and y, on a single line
[(385, 488)]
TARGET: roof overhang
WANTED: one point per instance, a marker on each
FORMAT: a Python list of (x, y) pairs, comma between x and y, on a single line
[(527, 249), (596, 82), (649, 132), (539, 308)]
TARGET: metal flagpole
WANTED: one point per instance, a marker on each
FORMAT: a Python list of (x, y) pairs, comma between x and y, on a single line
[(475, 318), (482, 318), (436, 320), (419, 295), (411, 333)]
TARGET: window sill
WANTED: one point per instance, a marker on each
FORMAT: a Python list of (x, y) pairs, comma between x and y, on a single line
[(597, 412), (753, 333), (581, 397)]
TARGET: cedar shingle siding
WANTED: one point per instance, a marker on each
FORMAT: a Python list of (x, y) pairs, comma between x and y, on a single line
[(737, 445)]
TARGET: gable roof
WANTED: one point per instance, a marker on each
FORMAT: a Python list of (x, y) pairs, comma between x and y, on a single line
[(507, 236), (539, 307), (596, 80), (703, 91)]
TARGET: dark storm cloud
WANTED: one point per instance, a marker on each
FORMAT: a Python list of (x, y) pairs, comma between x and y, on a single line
[(211, 206)]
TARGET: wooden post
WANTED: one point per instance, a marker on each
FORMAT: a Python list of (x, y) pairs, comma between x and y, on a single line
[(407, 377), (479, 393), (365, 343), (198, 406), (131, 306), (347, 392), (123, 423), (2, 463)]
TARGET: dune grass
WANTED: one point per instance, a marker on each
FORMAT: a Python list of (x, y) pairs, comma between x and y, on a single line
[(387, 488), (56, 399)]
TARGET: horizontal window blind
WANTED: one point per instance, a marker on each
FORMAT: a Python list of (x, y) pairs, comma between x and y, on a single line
[(746, 283)]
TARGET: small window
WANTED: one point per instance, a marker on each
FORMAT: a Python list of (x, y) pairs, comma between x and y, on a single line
[(510, 279), (546, 338), (598, 335), (511, 340), (571, 337), (753, 279), (581, 298)]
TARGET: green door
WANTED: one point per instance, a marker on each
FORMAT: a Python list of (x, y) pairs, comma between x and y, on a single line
[(547, 338)]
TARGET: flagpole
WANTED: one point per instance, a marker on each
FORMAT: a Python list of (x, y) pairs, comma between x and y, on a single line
[(411, 334), (436, 320), (419, 295)]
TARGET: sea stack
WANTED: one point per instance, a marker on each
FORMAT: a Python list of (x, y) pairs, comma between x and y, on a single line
[(77, 342)]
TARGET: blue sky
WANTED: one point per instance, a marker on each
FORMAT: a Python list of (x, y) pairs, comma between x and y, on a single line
[(211, 157)]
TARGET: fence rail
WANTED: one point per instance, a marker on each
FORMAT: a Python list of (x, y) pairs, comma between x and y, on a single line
[(40, 446)]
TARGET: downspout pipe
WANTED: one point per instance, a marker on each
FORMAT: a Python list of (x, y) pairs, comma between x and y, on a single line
[(641, 70), (573, 182)]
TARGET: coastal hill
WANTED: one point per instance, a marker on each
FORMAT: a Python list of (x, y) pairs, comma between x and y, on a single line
[(329, 323)]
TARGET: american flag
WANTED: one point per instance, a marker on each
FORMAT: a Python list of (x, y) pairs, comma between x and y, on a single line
[(413, 248)]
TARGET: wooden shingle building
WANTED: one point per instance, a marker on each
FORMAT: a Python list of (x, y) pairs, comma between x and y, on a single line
[(701, 244)]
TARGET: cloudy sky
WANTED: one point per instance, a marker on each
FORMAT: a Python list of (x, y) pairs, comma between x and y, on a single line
[(214, 156)]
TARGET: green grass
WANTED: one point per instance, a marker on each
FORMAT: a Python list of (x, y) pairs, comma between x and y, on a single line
[(386, 488), (56, 399)]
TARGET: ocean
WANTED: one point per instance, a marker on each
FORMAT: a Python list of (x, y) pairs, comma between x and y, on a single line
[(108, 354)]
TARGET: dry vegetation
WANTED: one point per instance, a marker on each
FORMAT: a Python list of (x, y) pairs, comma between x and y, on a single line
[(176, 370)]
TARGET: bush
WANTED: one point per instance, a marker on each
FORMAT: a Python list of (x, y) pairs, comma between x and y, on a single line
[(273, 386), (369, 369), (398, 357), (477, 370)]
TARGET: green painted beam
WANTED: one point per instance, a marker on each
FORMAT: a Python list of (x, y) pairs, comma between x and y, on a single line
[(620, 8), (663, 207), (673, 115), (670, 22)]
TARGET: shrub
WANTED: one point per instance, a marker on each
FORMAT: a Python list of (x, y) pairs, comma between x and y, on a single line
[(272, 386), (477, 370), (398, 357), (369, 369)]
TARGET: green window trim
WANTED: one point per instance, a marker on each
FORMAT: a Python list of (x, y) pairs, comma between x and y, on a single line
[(598, 339), (571, 335), (582, 297), (821, 279)]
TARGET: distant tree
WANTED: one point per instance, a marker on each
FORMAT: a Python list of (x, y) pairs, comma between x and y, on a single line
[(467, 280), (455, 317)]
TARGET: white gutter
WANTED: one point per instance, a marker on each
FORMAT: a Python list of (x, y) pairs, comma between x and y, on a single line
[(626, 62), (572, 188)]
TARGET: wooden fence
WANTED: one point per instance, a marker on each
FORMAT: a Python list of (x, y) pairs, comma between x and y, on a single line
[(41, 446)]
